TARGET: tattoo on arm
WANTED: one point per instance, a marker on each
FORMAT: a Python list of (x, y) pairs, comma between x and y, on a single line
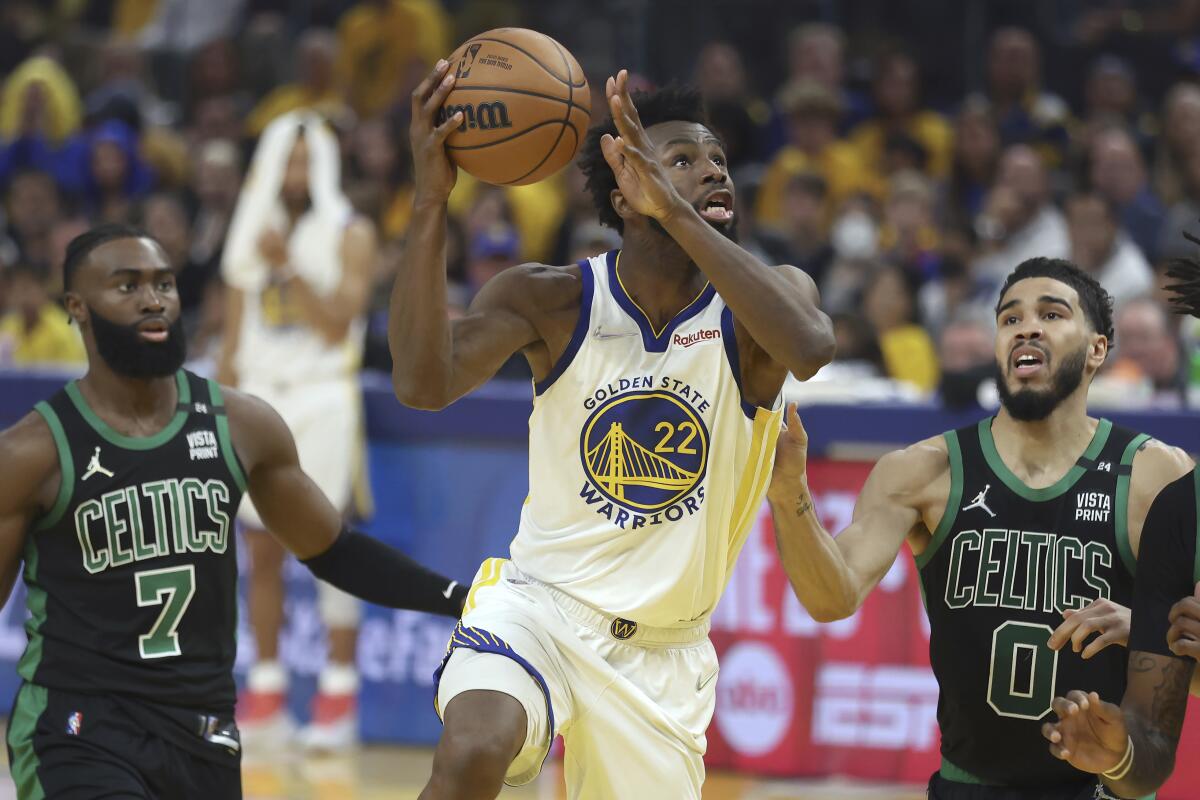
[(1156, 735), (803, 505)]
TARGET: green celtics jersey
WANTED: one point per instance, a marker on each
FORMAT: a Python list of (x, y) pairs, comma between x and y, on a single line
[(132, 575), (1003, 565)]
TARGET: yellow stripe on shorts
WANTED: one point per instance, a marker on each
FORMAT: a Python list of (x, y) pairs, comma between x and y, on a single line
[(488, 575)]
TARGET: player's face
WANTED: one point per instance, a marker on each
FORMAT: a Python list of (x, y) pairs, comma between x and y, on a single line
[(694, 159), (1044, 347), (125, 300)]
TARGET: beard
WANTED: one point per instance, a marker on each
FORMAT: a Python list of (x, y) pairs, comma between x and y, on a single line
[(127, 354), (1033, 405)]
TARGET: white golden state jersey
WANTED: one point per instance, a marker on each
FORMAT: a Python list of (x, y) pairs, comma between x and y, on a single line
[(646, 467)]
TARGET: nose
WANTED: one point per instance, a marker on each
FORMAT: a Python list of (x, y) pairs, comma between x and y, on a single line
[(152, 301), (1030, 330), (714, 173)]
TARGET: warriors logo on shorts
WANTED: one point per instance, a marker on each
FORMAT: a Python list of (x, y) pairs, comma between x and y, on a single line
[(645, 450)]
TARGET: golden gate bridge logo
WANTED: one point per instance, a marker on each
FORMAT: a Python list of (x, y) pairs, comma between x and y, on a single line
[(645, 450)]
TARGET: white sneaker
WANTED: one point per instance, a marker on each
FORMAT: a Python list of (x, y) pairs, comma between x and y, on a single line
[(334, 725)]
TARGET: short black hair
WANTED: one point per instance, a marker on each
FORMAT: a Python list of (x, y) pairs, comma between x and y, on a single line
[(1185, 292), (668, 104), (82, 245), (1097, 303)]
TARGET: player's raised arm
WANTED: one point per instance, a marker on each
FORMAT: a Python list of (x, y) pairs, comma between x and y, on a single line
[(778, 307), (308, 525), (832, 576), (27, 490), (436, 361)]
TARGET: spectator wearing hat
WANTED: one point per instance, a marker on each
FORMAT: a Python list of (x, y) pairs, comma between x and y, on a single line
[(812, 113)]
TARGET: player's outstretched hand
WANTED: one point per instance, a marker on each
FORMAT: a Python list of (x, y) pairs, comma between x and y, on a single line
[(1101, 616), (1183, 637), (433, 172), (791, 453), (1090, 734), (642, 180)]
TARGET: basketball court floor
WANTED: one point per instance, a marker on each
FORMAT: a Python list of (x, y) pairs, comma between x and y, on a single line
[(398, 773)]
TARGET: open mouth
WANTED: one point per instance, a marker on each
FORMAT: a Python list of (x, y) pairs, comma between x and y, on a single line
[(154, 330), (1027, 361), (717, 207)]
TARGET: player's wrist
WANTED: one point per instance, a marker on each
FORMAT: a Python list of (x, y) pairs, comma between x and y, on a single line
[(1123, 764)]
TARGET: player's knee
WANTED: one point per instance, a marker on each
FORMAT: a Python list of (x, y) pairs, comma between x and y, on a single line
[(473, 761), (484, 732)]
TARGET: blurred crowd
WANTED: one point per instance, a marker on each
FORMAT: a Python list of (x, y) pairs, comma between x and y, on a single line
[(908, 214)]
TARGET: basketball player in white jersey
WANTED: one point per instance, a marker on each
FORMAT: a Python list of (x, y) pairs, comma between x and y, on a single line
[(297, 264), (657, 372)]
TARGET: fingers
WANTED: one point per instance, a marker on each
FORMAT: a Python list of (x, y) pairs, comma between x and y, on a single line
[(1060, 752), (613, 148), (421, 93), (1186, 648), (438, 97), (1051, 732), (1100, 642), (1187, 608), (451, 123), (1062, 634), (624, 113), (1075, 702)]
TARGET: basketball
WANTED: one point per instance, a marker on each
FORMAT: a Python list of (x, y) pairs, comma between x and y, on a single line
[(525, 105)]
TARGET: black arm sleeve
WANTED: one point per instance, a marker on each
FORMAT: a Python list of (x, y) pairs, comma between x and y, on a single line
[(380, 574), (1166, 560)]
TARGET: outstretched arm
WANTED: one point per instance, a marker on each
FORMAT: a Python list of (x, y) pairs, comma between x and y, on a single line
[(832, 576), (776, 306), (302, 518), (436, 361)]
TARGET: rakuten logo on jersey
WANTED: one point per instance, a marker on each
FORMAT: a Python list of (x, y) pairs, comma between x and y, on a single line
[(705, 335), (754, 698), (894, 708)]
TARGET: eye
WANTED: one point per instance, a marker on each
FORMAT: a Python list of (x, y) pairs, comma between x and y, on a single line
[(680, 160), (719, 160), (1009, 320), (1052, 315), (128, 286), (166, 285)]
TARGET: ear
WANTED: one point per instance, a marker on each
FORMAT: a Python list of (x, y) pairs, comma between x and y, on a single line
[(1098, 352), (621, 205), (76, 308)]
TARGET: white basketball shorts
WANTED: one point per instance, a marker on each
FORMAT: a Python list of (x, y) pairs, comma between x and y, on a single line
[(631, 703)]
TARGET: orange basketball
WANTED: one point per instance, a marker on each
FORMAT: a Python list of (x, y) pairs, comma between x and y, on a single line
[(525, 105)]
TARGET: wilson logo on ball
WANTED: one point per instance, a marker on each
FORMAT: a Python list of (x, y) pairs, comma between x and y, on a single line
[(481, 116)]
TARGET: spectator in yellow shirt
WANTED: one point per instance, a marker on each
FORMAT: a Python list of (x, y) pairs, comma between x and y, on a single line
[(36, 330), (383, 40), (315, 86), (898, 112), (812, 113), (908, 352)]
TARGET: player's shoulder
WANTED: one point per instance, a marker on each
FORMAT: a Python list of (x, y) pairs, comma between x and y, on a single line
[(536, 287), (28, 451), (1157, 464), (254, 425), (919, 464)]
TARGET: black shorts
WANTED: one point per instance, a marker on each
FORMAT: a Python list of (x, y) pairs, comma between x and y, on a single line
[(70, 746), (1086, 789)]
